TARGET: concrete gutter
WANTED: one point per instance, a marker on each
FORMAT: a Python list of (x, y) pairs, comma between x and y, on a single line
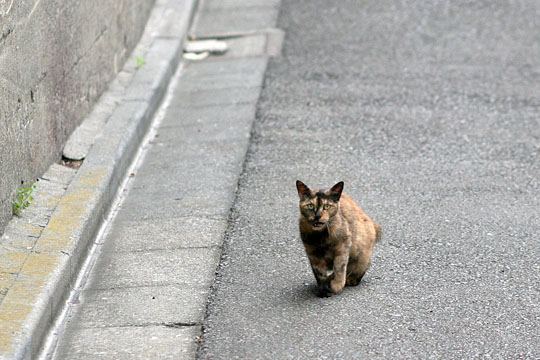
[(36, 275)]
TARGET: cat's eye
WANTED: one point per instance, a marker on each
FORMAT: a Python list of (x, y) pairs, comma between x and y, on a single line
[(326, 206), (310, 206)]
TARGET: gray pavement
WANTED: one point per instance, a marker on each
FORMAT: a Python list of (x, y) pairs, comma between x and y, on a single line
[(429, 111)]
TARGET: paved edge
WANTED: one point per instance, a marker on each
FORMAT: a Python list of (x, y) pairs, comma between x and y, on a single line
[(49, 270)]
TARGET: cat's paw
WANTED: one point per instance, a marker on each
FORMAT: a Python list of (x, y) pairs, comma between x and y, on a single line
[(336, 287), (354, 279), (324, 291)]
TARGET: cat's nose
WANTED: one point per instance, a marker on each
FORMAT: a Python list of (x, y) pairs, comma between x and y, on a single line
[(317, 217)]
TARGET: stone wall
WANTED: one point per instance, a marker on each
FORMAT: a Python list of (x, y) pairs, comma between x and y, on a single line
[(56, 58)]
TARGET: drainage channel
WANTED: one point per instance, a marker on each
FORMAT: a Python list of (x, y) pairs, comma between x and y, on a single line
[(59, 326)]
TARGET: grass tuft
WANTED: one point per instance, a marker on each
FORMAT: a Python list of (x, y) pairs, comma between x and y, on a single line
[(23, 199), (139, 62)]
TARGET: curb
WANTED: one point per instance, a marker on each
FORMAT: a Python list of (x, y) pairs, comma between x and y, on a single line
[(51, 265)]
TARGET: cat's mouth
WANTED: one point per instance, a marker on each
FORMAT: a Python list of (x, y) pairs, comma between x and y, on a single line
[(318, 224)]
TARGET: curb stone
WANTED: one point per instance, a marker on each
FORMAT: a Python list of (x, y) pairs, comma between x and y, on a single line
[(43, 270)]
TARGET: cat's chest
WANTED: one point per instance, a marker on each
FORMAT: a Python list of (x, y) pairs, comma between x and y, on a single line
[(318, 244), (319, 238)]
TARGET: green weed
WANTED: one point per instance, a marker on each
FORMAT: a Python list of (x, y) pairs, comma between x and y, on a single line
[(139, 62), (23, 199)]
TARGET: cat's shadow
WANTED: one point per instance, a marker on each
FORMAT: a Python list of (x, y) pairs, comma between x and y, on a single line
[(303, 293)]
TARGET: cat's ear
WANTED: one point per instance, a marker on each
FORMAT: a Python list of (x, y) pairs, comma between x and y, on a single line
[(335, 191), (303, 190)]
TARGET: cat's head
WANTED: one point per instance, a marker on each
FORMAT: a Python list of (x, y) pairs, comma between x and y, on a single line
[(318, 207)]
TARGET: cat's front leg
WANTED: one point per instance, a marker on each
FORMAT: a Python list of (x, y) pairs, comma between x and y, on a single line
[(317, 275), (322, 274), (340, 271), (324, 278)]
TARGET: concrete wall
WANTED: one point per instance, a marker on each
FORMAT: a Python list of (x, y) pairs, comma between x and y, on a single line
[(56, 58)]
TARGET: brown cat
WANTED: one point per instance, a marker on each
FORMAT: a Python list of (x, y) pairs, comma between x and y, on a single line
[(338, 237)]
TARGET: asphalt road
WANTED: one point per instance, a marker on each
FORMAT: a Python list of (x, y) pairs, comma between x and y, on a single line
[(429, 111)]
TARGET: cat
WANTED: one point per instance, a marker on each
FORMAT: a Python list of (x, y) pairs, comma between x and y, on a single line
[(337, 235)]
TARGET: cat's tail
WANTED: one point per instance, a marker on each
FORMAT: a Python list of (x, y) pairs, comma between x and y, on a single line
[(378, 232)]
